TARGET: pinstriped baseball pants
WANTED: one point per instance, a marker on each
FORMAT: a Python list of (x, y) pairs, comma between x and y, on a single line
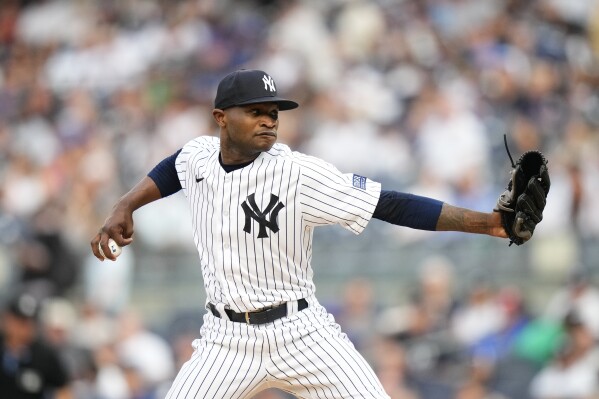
[(305, 354)]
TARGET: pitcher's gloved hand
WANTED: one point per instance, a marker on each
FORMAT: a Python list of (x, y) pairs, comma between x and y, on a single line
[(522, 204)]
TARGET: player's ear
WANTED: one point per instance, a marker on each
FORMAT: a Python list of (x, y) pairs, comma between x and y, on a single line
[(219, 117)]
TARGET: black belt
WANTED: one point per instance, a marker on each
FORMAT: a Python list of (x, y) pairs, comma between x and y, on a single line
[(263, 316)]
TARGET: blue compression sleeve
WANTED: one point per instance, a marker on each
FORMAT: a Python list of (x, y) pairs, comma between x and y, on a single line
[(408, 210), (165, 176)]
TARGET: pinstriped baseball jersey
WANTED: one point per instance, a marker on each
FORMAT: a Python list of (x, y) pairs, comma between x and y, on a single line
[(253, 226)]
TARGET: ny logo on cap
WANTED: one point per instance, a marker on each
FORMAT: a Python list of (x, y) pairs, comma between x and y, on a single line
[(268, 83)]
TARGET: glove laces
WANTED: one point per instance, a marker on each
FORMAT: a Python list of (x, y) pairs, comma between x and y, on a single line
[(508, 151)]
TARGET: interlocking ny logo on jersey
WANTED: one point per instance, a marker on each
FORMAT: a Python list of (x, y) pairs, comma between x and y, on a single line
[(268, 83), (253, 212)]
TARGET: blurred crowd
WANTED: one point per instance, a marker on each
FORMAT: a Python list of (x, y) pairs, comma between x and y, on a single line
[(478, 340), (417, 94)]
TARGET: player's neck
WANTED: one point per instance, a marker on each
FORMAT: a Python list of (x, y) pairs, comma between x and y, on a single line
[(229, 167)]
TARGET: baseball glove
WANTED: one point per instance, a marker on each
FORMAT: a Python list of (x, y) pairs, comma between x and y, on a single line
[(522, 204)]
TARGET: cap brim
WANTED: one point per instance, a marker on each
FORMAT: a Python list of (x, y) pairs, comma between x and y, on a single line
[(284, 105)]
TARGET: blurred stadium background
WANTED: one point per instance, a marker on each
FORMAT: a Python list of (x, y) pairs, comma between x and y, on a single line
[(416, 94)]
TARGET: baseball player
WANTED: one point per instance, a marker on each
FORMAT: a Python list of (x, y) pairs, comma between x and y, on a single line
[(254, 206)]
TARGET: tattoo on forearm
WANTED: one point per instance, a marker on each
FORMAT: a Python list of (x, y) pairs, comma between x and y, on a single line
[(459, 219)]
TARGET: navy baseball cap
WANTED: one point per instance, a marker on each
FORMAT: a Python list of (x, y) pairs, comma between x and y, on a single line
[(249, 86)]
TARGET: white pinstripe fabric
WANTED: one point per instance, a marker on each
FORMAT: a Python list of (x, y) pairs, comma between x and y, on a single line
[(305, 354)]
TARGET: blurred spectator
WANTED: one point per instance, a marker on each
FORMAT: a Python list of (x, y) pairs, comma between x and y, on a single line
[(390, 365), (493, 347), (95, 328), (48, 265), (431, 305), (538, 341), (357, 312), (579, 295), (451, 131), (111, 381), (481, 314), (147, 359), (422, 327), (496, 365), (573, 372), (30, 367), (58, 319), (138, 387)]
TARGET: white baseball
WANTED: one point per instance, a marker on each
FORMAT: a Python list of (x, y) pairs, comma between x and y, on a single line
[(114, 248)]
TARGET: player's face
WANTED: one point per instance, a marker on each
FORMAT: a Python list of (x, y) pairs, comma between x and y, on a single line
[(247, 130)]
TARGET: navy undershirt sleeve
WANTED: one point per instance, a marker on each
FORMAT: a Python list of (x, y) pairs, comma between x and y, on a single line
[(408, 210), (165, 176)]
